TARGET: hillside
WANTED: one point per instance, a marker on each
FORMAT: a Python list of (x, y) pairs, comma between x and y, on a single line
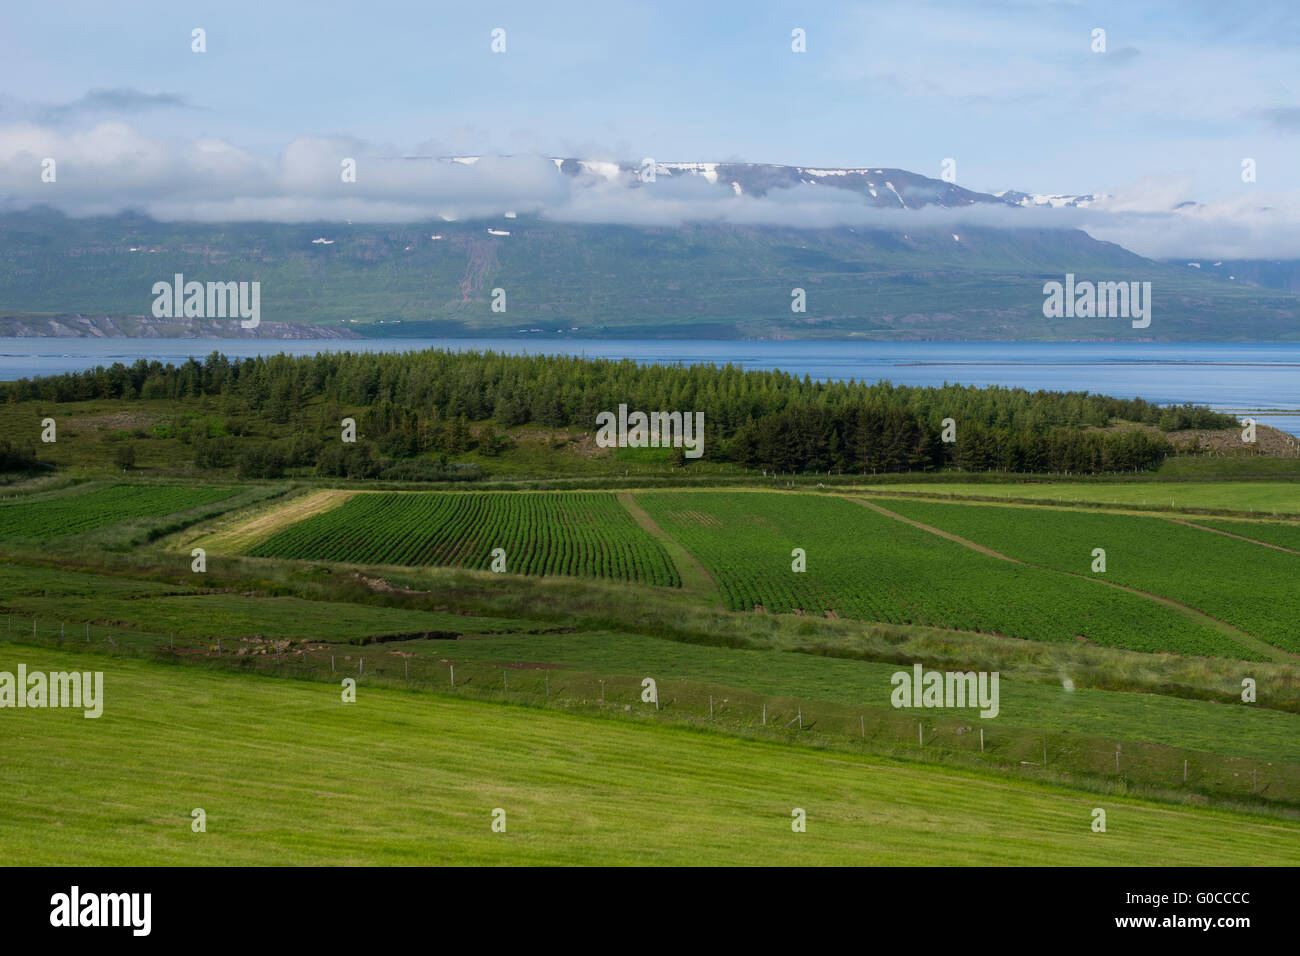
[(589, 280)]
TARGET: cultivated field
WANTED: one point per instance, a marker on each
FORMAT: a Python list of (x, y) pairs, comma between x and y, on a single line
[(1254, 588), (80, 510), (1282, 535), (1264, 497), (584, 534), (332, 579), (865, 565)]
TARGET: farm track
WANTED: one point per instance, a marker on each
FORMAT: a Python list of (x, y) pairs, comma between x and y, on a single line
[(1237, 635), (1239, 537), (694, 575)]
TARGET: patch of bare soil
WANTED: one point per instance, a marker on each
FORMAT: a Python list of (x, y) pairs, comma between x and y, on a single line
[(384, 587), (113, 421)]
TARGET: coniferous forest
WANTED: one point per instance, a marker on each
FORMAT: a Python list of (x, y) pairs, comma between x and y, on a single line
[(418, 404)]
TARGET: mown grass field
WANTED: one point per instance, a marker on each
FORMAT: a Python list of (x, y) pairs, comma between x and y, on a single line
[(864, 565), (1251, 587), (580, 533), (287, 774), (1263, 497)]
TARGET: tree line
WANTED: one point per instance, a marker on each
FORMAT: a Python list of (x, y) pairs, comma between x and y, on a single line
[(422, 403)]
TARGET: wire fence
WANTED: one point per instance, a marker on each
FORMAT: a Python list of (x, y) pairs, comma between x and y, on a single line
[(961, 737)]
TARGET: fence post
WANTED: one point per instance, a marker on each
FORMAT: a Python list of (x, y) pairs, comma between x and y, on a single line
[(764, 713), (361, 665), (453, 674), (920, 734), (548, 683), (1184, 770), (801, 718), (862, 724), (331, 663), (406, 664), (1254, 779), (981, 740), (61, 626), (710, 707), (602, 692), (1117, 758)]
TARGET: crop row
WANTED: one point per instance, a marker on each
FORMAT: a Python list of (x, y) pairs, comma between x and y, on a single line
[(1254, 588), (62, 515), (586, 535), (866, 566)]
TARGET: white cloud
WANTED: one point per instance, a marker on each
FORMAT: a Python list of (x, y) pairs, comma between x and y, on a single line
[(111, 167)]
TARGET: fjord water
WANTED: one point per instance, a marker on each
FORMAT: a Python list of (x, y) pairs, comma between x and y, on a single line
[(1237, 376)]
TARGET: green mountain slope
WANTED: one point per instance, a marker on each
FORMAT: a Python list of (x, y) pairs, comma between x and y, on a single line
[(702, 280)]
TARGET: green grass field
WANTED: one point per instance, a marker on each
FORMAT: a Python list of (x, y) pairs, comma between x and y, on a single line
[(286, 773), (1264, 497), (18, 581), (586, 534), (1248, 586), (234, 616), (864, 565), (1196, 724)]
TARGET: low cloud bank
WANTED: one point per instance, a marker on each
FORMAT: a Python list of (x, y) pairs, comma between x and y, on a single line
[(112, 167)]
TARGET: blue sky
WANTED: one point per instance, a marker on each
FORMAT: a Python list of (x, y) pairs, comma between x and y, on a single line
[(1011, 91)]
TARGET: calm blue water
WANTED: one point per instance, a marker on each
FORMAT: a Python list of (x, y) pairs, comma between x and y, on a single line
[(1228, 376)]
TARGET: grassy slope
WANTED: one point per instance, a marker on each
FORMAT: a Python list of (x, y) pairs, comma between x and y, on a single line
[(412, 779), (233, 616), (1198, 725), (701, 280)]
